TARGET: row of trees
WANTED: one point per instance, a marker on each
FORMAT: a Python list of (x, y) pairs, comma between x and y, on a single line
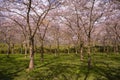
[(55, 23)]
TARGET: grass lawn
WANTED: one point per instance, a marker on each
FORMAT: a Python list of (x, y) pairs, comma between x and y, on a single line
[(62, 67)]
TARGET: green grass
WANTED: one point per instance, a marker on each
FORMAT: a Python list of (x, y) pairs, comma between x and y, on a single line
[(62, 67)]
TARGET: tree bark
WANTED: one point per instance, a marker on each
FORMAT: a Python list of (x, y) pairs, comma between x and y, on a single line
[(68, 50), (42, 52), (81, 51), (89, 52), (76, 52), (58, 47), (12, 49), (50, 49), (31, 48), (21, 49), (9, 49), (25, 50)]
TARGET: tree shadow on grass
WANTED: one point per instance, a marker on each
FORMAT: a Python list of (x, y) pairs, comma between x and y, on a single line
[(57, 71), (107, 72), (9, 67)]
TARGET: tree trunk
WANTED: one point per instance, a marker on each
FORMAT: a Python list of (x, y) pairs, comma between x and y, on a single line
[(50, 49), (31, 49), (76, 52), (21, 49), (81, 50), (81, 53), (89, 53), (107, 49), (68, 50), (116, 49), (42, 52), (9, 49), (104, 48), (58, 50), (115, 46), (55, 52), (25, 50), (12, 49)]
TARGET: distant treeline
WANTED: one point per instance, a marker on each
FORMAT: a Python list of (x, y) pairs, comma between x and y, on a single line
[(18, 49)]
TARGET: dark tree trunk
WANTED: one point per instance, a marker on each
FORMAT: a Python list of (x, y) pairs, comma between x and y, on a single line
[(42, 52), (89, 53), (21, 49), (9, 49), (26, 48), (115, 46), (58, 50), (104, 48), (107, 51), (50, 49)]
